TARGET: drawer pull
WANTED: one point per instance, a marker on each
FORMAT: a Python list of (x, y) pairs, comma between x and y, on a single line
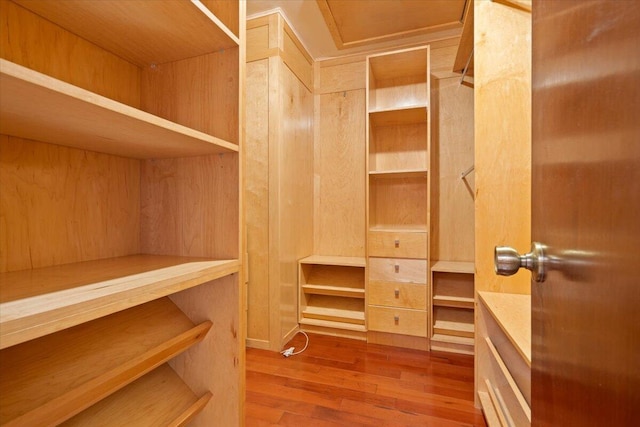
[(396, 268), (396, 318), (397, 243), (397, 293)]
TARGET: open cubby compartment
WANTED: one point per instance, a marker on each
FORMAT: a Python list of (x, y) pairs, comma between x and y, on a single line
[(399, 80), (50, 379), (332, 279), (398, 142), (453, 289), (398, 201), (453, 321), (332, 309), (179, 79)]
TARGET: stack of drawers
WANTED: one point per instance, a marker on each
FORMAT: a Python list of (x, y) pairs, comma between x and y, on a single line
[(397, 288)]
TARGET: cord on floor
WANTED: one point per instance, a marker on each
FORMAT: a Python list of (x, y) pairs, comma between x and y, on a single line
[(291, 350)]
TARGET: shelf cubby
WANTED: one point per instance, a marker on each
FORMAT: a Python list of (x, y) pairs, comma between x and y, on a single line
[(389, 192), (37, 302), (30, 108), (91, 361), (332, 292), (160, 398)]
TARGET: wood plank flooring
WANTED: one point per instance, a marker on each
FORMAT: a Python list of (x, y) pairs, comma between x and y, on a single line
[(343, 382)]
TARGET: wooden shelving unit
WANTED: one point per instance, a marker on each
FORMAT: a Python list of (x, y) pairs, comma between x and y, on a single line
[(120, 175), (332, 293), (92, 122), (504, 356), (93, 360), (398, 138), (452, 302)]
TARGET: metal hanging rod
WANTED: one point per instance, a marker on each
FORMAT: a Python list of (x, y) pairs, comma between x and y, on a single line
[(464, 174)]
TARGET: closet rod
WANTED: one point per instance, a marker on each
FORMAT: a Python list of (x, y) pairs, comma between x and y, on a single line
[(464, 174)]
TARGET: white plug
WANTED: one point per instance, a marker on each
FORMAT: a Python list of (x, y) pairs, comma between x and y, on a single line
[(288, 352)]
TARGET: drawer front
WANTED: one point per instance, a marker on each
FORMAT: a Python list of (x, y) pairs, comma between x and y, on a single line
[(397, 270), (398, 244), (406, 295), (398, 321)]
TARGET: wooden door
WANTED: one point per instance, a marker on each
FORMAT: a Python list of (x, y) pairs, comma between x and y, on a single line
[(586, 209)]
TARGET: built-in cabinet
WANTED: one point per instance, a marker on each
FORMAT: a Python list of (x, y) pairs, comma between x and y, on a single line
[(120, 296), (279, 181), (332, 294), (398, 85)]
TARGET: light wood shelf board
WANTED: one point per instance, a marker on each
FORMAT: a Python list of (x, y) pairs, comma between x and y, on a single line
[(334, 260), (399, 116), (391, 174), (465, 47), (451, 301), (340, 291), (333, 324), (42, 301), (337, 314), (160, 398), (50, 379), (164, 31), (465, 329), (409, 62), (38, 107), (512, 312), (453, 339), (489, 411), (398, 227), (453, 267)]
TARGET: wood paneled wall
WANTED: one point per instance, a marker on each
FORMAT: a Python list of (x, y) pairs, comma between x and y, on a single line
[(452, 198), (278, 177), (339, 164), (502, 139)]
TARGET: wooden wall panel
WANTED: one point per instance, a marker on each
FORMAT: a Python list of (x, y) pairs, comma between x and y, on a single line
[(452, 150), (502, 140), (24, 38), (183, 92), (291, 203), (340, 175), (256, 197), (188, 206), (60, 205)]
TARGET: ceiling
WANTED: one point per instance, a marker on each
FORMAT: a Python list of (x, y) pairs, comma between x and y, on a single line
[(333, 28)]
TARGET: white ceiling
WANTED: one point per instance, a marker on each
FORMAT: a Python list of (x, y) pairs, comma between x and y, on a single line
[(305, 18)]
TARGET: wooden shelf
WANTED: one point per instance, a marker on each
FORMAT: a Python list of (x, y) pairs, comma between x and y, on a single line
[(460, 329), (340, 291), (334, 260), (400, 64), (451, 301), (38, 107), (399, 228), (452, 339), (163, 32), (399, 116), (37, 302), (397, 174), (346, 310), (512, 312), (160, 398), (453, 267), (465, 47), (50, 379), (333, 324)]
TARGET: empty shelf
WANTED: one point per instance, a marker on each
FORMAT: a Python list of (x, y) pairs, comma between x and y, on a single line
[(340, 291), (453, 267), (452, 301), (50, 379), (399, 116), (37, 302), (38, 107)]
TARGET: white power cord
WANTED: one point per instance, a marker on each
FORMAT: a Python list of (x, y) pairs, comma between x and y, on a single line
[(291, 350)]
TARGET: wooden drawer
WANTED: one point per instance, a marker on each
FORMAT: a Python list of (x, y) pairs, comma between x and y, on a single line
[(398, 321), (398, 244), (397, 270), (407, 295), (509, 402)]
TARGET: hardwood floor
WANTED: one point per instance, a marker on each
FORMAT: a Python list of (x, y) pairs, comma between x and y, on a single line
[(343, 382)]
